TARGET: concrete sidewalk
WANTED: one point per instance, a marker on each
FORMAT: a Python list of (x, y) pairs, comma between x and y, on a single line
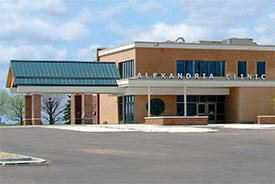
[(243, 126), (134, 128)]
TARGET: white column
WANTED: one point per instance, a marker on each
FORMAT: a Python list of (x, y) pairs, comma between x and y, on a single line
[(149, 100), (185, 102)]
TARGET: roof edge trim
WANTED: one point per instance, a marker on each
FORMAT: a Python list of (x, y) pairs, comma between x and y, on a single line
[(184, 46)]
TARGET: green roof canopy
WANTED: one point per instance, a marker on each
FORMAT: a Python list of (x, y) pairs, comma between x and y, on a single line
[(62, 73)]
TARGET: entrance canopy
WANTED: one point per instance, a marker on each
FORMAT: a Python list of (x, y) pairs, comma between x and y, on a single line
[(62, 77)]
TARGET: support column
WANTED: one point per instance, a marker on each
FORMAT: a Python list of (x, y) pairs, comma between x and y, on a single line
[(36, 109), (98, 109), (149, 101), (185, 101), (72, 109), (76, 109), (28, 110), (87, 106)]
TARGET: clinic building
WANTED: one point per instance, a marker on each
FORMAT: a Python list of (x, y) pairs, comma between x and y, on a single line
[(232, 80)]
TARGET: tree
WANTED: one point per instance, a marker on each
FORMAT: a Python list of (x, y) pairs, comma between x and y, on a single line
[(16, 108), (67, 111), (52, 107), (4, 98)]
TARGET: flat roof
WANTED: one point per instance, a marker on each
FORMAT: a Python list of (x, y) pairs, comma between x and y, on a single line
[(177, 45)]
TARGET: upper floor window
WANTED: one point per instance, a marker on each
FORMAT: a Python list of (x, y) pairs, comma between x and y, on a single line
[(260, 68), (242, 68), (216, 68), (126, 69)]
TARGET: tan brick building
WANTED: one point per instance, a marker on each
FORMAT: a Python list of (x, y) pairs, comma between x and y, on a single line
[(230, 81)]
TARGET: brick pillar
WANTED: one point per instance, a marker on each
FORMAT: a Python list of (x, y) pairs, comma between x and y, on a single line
[(87, 105), (76, 111), (72, 110), (36, 109), (28, 110), (98, 109)]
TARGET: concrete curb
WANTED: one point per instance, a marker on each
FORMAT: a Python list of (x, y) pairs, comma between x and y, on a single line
[(21, 159), (136, 128)]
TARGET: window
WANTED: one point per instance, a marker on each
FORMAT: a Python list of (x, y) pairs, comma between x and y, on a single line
[(157, 106), (191, 109), (180, 105), (126, 69), (180, 109), (191, 98), (260, 68), (126, 109), (216, 68), (189, 67), (204, 68), (207, 105), (220, 68), (180, 67), (241, 68), (212, 68), (197, 68)]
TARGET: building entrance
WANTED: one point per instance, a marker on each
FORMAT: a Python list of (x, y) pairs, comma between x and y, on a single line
[(211, 106), (211, 111)]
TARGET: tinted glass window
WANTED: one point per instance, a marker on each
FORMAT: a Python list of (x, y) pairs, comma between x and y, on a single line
[(220, 108), (201, 98), (189, 67), (201, 108), (211, 98), (180, 67), (191, 109), (191, 98), (126, 109), (212, 68), (204, 67), (241, 68), (220, 68), (260, 68), (197, 67), (180, 98), (157, 106), (217, 68), (126, 69), (220, 98), (180, 109)]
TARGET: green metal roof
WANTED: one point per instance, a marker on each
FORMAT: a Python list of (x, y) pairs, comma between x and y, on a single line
[(64, 73)]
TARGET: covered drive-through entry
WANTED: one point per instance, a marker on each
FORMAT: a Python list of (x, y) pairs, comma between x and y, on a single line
[(80, 79)]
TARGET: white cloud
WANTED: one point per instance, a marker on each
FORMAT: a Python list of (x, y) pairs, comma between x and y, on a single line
[(8, 53), (21, 29), (162, 32), (51, 7), (209, 20), (88, 53), (221, 12), (110, 12), (239, 32), (24, 21), (264, 33)]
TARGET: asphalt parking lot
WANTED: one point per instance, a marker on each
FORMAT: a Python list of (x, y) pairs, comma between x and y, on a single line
[(227, 156)]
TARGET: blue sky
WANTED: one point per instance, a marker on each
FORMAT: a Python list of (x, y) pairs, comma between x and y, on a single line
[(73, 29)]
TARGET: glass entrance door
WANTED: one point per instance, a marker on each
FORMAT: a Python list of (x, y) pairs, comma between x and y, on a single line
[(211, 111)]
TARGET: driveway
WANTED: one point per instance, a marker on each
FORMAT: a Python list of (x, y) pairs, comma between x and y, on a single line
[(227, 156)]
